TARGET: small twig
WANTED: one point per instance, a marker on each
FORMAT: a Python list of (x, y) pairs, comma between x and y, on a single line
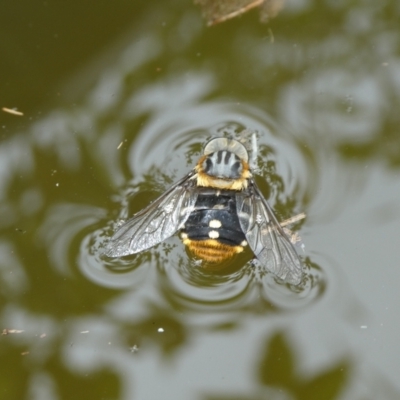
[(235, 13), (292, 220), (12, 111), (8, 331)]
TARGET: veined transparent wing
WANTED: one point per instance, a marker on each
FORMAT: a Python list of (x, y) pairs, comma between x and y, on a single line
[(157, 222), (266, 237)]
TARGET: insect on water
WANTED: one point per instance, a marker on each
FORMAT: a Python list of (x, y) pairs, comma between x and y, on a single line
[(218, 209)]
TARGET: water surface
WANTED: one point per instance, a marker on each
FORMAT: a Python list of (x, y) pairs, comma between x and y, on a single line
[(104, 134)]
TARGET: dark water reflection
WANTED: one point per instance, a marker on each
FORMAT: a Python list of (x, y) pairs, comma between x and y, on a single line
[(321, 97)]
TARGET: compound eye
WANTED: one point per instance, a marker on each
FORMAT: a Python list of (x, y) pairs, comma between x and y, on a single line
[(207, 165)]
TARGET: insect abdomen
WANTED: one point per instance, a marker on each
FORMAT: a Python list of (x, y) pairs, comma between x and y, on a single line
[(212, 251), (212, 232)]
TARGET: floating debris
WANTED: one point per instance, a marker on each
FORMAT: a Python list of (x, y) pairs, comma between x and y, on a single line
[(8, 331), (120, 145), (134, 348), (12, 111), (217, 11)]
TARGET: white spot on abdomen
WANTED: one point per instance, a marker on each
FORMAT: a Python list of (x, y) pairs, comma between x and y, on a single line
[(214, 223), (213, 234)]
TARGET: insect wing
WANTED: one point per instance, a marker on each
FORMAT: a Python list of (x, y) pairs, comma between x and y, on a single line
[(157, 222), (266, 237)]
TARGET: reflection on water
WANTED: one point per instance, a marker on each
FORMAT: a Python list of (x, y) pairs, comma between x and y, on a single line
[(249, 289), (62, 229), (67, 179), (279, 373)]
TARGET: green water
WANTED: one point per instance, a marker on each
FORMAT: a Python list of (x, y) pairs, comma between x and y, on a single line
[(118, 100)]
